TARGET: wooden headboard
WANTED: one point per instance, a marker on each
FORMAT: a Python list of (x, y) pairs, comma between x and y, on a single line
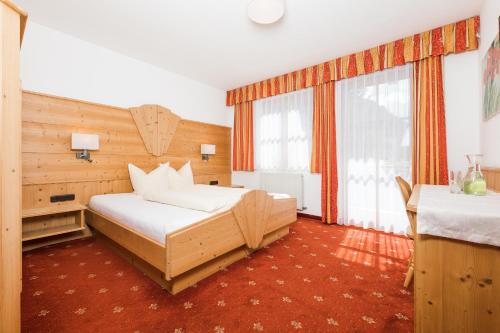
[(50, 167)]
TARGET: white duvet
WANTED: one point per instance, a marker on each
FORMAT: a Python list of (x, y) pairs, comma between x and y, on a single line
[(198, 197)]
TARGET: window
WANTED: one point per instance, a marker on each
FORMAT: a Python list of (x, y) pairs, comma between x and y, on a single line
[(373, 146), (283, 131)]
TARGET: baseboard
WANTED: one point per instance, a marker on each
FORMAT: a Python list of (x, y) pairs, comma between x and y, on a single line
[(308, 216)]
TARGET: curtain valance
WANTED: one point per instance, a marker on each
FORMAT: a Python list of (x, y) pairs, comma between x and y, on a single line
[(452, 38)]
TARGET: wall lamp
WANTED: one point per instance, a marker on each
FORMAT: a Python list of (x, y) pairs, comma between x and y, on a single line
[(84, 142), (206, 150)]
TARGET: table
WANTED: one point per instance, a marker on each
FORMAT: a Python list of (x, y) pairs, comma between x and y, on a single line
[(456, 283)]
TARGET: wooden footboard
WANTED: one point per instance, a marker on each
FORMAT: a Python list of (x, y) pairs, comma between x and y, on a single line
[(201, 249), (245, 224)]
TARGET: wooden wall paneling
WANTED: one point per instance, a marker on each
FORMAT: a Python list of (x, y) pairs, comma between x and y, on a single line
[(12, 22), (55, 138), (50, 167), (39, 195), (186, 146), (222, 179), (116, 176), (60, 168), (492, 176), (45, 109)]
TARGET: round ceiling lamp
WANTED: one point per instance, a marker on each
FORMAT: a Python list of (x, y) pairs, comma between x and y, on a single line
[(266, 11)]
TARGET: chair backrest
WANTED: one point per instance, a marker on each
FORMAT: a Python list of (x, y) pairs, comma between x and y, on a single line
[(405, 188), (406, 192)]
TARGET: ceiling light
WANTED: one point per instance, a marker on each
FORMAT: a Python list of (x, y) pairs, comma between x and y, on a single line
[(266, 11)]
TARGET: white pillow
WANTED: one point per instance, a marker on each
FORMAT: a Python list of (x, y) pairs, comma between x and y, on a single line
[(153, 181), (181, 179)]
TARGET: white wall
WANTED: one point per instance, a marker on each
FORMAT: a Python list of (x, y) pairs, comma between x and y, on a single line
[(461, 90), (490, 130), (56, 63)]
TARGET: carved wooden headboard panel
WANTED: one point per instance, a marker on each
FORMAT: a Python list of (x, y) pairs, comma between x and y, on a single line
[(50, 167), (157, 126)]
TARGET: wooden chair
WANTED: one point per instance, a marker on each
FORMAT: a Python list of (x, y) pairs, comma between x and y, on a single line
[(406, 192)]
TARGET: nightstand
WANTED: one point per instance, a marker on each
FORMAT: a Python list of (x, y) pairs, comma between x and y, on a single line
[(54, 220)]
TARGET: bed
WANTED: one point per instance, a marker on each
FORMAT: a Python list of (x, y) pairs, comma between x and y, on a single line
[(176, 246)]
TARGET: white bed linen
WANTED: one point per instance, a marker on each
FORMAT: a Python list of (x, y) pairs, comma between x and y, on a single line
[(186, 199), (156, 220), (459, 216), (151, 219), (198, 197)]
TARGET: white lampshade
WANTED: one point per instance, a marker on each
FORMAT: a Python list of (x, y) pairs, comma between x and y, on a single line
[(266, 11), (84, 141), (207, 149)]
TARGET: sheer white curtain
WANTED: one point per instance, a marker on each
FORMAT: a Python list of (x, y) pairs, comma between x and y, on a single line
[(283, 131), (373, 133)]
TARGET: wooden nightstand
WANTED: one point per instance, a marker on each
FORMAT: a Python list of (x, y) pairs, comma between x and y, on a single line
[(52, 221)]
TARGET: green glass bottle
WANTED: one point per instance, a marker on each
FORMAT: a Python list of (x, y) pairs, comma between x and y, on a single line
[(474, 182)]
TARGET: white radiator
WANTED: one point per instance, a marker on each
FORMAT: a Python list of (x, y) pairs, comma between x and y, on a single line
[(287, 183)]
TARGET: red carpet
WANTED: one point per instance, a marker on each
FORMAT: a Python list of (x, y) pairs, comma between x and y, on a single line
[(318, 279)]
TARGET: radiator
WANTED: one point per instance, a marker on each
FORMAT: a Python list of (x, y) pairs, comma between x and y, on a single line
[(287, 183)]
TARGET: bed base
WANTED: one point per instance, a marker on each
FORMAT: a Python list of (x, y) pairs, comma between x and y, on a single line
[(199, 250), (195, 275)]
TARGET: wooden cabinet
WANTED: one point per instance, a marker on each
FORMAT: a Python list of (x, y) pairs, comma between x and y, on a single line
[(456, 286), (12, 22)]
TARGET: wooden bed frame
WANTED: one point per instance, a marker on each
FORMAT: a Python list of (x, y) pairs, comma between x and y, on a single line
[(199, 250)]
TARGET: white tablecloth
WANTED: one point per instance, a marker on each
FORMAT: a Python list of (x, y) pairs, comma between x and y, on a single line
[(459, 216)]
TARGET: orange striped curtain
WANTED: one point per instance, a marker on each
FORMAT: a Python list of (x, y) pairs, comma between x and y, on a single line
[(243, 137), (429, 128), (316, 134), (324, 152)]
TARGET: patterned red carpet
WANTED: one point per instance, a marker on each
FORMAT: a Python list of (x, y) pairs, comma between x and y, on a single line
[(318, 279)]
